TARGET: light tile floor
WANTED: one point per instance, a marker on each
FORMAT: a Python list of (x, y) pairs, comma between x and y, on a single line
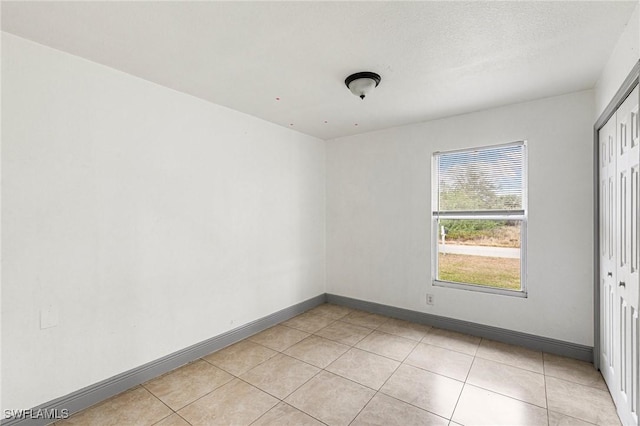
[(337, 366)]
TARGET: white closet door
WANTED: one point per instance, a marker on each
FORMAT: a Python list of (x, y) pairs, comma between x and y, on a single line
[(608, 244), (628, 295)]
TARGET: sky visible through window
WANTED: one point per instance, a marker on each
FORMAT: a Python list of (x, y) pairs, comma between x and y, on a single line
[(473, 175), (501, 165)]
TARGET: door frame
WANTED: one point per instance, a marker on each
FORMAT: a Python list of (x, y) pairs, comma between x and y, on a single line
[(625, 89)]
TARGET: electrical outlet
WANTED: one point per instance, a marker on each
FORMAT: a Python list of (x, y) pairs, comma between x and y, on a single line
[(429, 299)]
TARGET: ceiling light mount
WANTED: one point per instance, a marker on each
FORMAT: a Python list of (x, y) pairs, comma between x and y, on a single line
[(362, 83)]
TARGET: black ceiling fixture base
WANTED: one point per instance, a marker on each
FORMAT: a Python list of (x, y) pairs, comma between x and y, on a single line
[(365, 74)]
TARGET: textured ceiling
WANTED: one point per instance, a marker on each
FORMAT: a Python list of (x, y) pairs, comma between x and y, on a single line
[(286, 62)]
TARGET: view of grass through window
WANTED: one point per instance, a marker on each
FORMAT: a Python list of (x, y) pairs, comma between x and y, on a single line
[(483, 252)]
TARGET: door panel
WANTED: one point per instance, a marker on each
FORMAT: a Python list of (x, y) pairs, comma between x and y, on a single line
[(627, 193), (608, 244)]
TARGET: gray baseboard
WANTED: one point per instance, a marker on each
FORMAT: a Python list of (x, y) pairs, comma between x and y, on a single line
[(91, 395), (98, 392), (545, 344)]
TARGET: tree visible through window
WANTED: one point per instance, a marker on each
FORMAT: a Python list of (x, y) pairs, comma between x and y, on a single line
[(479, 218)]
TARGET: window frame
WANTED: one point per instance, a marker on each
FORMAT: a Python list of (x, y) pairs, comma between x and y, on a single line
[(521, 215)]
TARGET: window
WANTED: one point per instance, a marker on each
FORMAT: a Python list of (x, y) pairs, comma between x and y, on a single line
[(480, 219)]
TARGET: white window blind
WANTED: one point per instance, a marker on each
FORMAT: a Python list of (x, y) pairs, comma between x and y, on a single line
[(486, 179)]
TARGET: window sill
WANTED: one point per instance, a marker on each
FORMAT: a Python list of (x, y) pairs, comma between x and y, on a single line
[(480, 288)]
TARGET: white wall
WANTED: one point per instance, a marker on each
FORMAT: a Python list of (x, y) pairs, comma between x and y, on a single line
[(623, 57), (148, 219), (379, 203)]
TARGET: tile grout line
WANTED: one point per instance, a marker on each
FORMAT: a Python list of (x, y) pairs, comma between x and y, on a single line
[(444, 347), (186, 421), (573, 382), (546, 396), (238, 376), (161, 401), (464, 383), (380, 355), (546, 393), (506, 396), (412, 405), (306, 331), (208, 393), (509, 365)]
